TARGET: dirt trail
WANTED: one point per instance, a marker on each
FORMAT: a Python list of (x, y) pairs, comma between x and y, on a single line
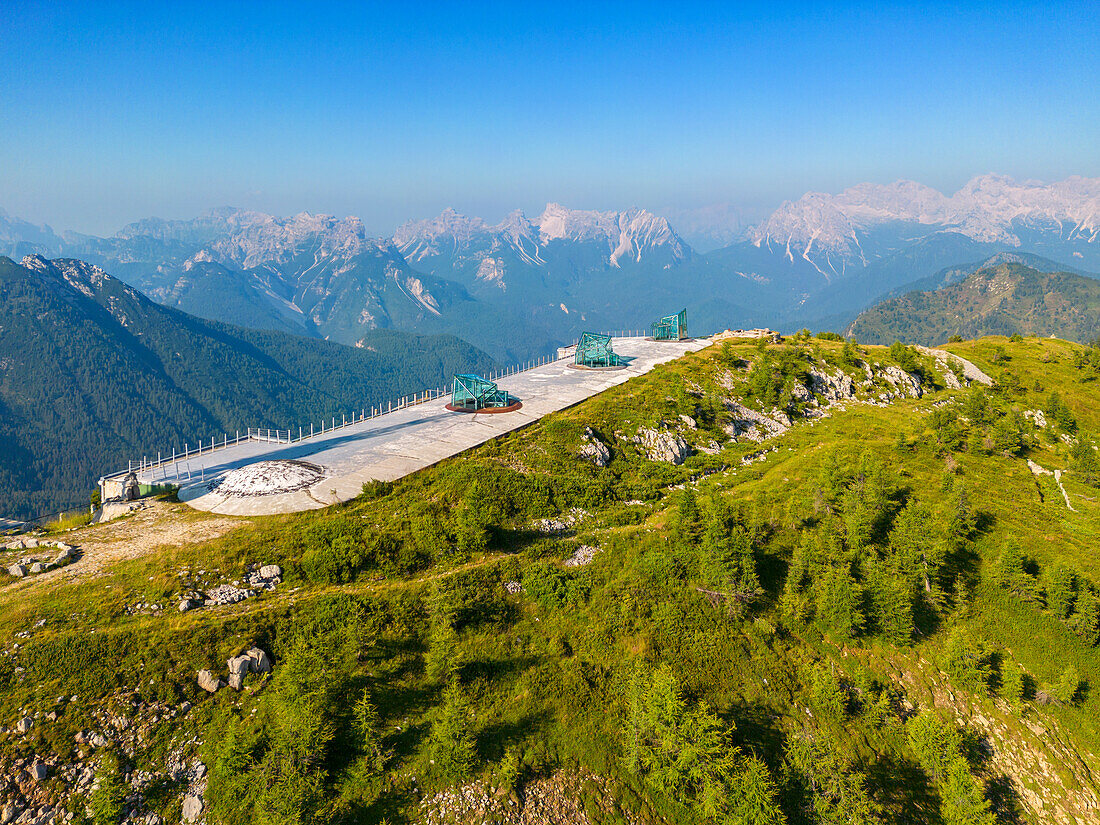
[(155, 526)]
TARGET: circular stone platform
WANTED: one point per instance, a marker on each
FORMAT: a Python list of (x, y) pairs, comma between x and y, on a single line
[(515, 405), (267, 478), (595, 369)]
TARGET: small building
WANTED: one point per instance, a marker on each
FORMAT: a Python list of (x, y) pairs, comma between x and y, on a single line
[(671, 327), (594, 350), (470, 393)]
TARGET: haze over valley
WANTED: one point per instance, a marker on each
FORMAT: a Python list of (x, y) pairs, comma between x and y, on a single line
[(549, 414)]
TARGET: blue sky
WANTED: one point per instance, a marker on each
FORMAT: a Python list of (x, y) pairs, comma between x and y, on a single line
[(115, 111)]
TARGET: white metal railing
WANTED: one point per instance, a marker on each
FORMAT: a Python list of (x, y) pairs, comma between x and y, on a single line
[(165, 461)]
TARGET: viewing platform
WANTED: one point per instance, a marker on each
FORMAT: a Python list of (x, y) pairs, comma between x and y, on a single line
[(258, 477)]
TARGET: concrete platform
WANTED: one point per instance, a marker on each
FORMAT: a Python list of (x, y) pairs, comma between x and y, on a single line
[(404, 441)]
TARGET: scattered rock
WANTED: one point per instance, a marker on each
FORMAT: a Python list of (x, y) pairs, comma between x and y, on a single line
[(582, 556), (187, 604), (24, 725), (562, 523), (271, 571), (513, 587), (18, 570), (662, 445), (37, 771), (209, 682), (1036, 417), (689, 421), (752, 425), (831, 386), (595, 450), (905, 383), (252, 660), (226, 594)]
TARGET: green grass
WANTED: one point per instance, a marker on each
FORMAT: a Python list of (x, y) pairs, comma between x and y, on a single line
[(547, 678)]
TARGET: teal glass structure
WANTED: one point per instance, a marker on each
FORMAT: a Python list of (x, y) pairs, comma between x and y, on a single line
[(671, 327), (472, 392), (594, 350)]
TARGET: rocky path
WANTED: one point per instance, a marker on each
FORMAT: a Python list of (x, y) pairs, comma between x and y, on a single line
[(970, 371), (1038, 471)]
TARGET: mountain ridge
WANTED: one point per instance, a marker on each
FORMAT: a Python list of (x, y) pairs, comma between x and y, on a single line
[(93, 373), (1004, 299)]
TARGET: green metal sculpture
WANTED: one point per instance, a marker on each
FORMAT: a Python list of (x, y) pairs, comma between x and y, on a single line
[(472, 392), (594, 350), (671, 327)]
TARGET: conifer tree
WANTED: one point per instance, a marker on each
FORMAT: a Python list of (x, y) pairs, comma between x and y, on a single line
[(839, 601), (451, 745), (1013, 685), (1086, 619), (1061, 587), (106, 801)]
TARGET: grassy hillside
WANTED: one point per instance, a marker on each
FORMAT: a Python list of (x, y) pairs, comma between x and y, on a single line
[(93, 374), (880, 614), (1009, 299)]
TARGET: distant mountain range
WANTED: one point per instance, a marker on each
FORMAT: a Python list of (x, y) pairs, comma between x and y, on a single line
[(519, 287), (93, 374), (1005, 298)]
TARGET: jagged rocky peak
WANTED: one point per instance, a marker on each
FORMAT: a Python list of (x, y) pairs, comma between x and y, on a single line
[(989, 208), (629, 234), (80, 275), (212, 224), (432, 236), (16, 231), (269, 239)]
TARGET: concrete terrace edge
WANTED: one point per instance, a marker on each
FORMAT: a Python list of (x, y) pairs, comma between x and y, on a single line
[(400, 443)]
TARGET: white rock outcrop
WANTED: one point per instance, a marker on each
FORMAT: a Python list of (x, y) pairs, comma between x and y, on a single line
[(595, 450), (663, 445)]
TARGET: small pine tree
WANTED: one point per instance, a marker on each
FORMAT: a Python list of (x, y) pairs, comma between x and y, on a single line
[(368, 727), (471, 523), (829, 700), (688, 521), (1013, 685), (1068, 686), (451, 746), (839, 601), (849, 354), (1086, 621), (1061, 587), (106, 801), (965, 660)]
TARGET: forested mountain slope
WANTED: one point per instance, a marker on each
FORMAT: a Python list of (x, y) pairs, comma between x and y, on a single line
[(1007, 299), (867, 595), (93, 374)]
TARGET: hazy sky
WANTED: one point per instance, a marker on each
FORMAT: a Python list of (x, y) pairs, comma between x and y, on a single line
[(115, 111)]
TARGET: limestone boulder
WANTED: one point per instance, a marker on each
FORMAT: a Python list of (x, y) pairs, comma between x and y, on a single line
[(261, 662), (595, 450), (663, 445), (209, 682), (904, 382), (192, 808)]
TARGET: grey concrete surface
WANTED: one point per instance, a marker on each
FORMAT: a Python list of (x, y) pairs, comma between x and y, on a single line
[(398, 443)]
